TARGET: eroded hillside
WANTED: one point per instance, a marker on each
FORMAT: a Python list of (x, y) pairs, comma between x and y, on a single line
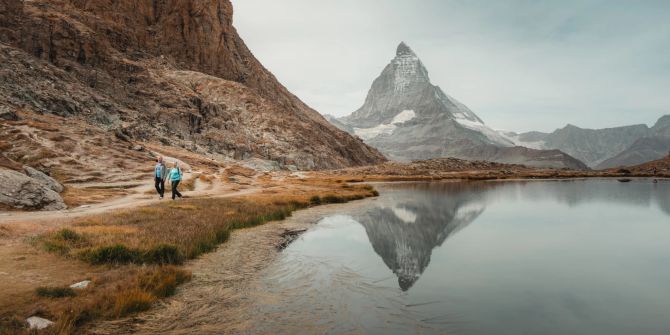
[(169, 72)]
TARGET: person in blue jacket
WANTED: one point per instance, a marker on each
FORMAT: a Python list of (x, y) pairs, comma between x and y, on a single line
[(175, 177), (160, 174)]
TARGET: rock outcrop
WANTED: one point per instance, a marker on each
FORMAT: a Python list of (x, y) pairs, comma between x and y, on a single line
[(23, 192), (174, 72), (44, 179)]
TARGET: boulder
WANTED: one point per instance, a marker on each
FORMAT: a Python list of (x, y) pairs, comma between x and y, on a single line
[(23, 192), (44, 179), (36, 322), (80, 285)]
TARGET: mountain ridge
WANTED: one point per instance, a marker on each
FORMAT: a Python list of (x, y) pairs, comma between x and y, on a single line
[(121, 61), (599, 148)]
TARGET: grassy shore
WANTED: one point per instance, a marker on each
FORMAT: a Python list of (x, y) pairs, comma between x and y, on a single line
[(143, 251)]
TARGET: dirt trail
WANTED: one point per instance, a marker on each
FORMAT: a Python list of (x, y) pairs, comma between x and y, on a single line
[(137, 197)]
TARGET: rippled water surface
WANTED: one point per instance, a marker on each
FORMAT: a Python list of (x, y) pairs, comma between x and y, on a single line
[(556, 257)]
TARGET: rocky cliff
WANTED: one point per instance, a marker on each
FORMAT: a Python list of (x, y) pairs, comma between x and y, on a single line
[(163, 70)]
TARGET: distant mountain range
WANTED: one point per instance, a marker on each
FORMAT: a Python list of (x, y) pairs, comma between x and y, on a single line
[(406, 117), (605, 148)]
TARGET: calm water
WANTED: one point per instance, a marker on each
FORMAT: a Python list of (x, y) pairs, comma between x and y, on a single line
[(556, 257)]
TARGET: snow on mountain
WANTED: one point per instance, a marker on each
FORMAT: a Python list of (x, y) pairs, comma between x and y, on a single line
[(519, 140), (385, 129), (406, 117)]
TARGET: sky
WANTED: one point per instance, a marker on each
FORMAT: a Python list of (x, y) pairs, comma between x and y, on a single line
[(520, 65)]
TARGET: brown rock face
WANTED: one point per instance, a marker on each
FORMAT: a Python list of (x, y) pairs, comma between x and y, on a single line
[(169, 70)]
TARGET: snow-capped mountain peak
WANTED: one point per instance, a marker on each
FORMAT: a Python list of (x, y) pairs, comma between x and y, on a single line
[(406, 117), (404, 86)]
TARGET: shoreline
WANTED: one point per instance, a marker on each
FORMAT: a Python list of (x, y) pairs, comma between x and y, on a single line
[(221, 294), (217, 300)]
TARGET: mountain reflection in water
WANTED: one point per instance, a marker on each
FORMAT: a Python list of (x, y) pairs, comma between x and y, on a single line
[(407, 225)]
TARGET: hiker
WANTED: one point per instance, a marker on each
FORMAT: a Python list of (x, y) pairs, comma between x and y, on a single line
[(175, 178), (160, 173)]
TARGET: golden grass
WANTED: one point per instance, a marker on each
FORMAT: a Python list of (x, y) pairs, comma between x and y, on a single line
[(146, 244), (172, 232), (75, 197), (133, 301), (119, 292), (237, 170)]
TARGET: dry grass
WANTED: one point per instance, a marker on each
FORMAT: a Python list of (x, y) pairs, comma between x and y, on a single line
[(42, 126), (39, 156), (120, 292), (75, 197), (172, 232), (185, 184), (237, 170)]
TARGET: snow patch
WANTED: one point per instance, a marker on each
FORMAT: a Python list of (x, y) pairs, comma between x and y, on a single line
[(491, 134), (388, 128), (368, 133), (469, 212), (404, 214), (403, 117), (518, 142)]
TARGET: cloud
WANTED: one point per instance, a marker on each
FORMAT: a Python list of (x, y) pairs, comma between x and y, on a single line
[(520, 65)]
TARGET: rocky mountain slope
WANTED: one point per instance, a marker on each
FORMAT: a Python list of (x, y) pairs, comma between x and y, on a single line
[(643, 150), (659, 167), (406, 117), (162, 71), (604, 148)]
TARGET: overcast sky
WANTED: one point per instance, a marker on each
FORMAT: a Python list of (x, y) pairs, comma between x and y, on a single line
[(518, 64)]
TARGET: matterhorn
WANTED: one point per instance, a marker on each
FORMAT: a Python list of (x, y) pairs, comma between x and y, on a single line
[(407, 118)]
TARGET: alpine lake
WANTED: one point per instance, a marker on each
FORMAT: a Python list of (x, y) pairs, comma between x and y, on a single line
[(521, 257)]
